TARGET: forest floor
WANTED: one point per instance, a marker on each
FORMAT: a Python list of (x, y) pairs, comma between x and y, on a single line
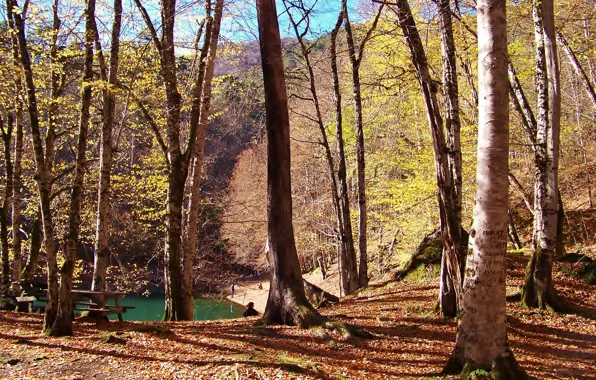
[(410, 341)]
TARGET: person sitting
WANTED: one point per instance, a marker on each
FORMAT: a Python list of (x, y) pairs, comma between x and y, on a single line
[(250, 310)]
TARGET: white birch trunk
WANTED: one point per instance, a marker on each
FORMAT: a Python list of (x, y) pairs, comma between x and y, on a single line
[(482, 333)]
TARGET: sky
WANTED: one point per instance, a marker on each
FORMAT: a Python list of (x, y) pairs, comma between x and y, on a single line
[(240, 23)]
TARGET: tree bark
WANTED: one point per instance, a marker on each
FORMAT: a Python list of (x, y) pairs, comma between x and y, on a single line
[(512, 231), (355, 61), (203, 102), (102, 250), (451, 231), (448, 296), (6, 131), (287, 303), (538, 289), (43, 161), (62, 325), (581, 74), (482, 333), (35, 239), (17, 170), (347, 257), (179, 301)]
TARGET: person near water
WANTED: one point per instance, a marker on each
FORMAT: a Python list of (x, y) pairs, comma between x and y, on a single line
[(250, 310), (232, 289)]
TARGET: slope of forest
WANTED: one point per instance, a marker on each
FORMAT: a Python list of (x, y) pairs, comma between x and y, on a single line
[(409, 341), (444, 151)]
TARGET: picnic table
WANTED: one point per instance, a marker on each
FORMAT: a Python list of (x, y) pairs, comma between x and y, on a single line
[(94, 301), (34, 297)]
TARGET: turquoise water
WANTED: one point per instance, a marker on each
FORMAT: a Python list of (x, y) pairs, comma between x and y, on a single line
[(151, 309)]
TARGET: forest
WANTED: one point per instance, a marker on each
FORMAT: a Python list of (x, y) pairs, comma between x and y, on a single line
[(401, 189)]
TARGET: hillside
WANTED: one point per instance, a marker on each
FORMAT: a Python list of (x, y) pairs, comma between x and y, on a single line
[(409, 341)]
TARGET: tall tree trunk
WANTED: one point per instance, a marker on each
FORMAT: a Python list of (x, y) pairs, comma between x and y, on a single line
[(355, 60), (16, 194), (17, 172), (482, 333), (179, 301), (450, 215), (43, 161), (5, 206), (538, 289), (347, 255), (287, 303), (102, 251), (347, 244), (448, 301), (210, 49), (63, 323), (176, 308)]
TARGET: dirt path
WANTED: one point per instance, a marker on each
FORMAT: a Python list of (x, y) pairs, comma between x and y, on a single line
[(248, 291)]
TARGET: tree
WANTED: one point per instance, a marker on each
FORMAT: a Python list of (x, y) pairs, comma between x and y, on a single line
[(481, 341), (538, 289), (287, 303), (179, 295), (341, 203), (206, 69), (106, 150), (43, 157), (355, 61), (62, 325), (6, 134), (347, 261), (447, 167)]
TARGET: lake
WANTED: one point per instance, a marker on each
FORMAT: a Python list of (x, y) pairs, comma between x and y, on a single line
[(151, 309)]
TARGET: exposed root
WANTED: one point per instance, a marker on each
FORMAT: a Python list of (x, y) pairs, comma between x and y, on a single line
[(346, 330), (504, 367), (549, 300)]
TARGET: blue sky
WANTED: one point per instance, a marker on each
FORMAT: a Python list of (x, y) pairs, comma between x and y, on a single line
[(241, 21)]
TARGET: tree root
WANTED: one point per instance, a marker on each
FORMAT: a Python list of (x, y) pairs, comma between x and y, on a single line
[(504, 367), (346, 330), (549, 300)]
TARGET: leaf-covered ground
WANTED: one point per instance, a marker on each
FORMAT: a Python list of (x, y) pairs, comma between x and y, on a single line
[(410, 341)]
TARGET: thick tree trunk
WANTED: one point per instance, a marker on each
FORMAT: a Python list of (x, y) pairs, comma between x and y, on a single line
[(102, 251), (450, 216), (287, 303), (63, 323), (203, 104), (179, 301), (482, 333), (538, 289), (347, 257), (43, 162), (177, 307)]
